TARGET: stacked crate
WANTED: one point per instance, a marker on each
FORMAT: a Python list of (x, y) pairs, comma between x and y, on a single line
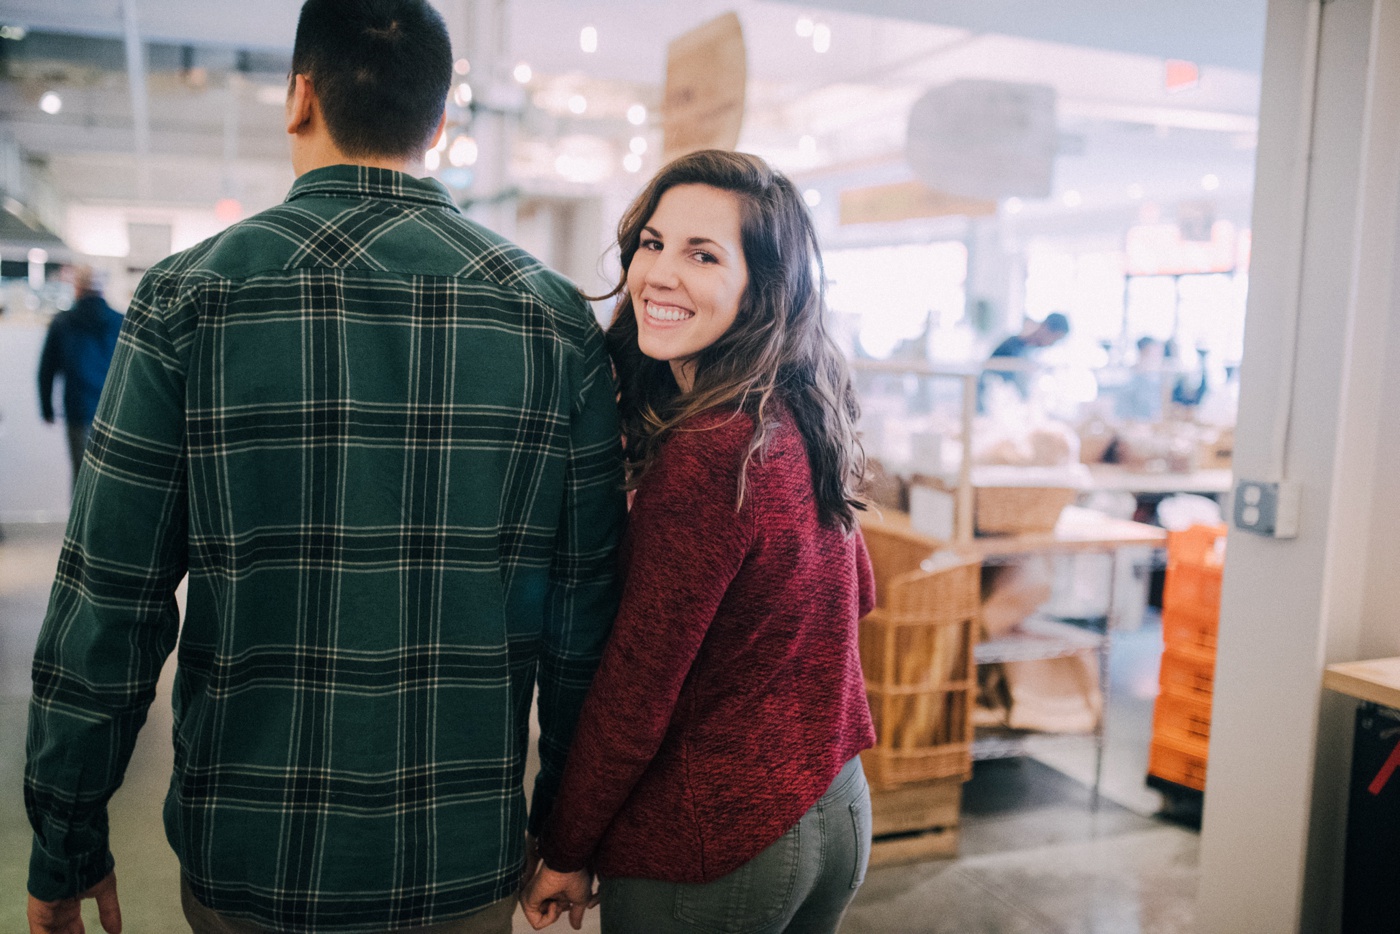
[(1190, 619), (916, 652)]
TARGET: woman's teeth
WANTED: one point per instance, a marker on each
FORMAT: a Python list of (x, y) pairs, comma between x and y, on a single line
[(667, 313)]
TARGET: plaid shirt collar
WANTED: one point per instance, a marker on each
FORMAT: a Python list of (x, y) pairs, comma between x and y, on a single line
[(363, 181)]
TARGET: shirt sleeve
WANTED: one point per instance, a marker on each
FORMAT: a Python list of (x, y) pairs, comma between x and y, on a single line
[(112, 617), (48, 369), (582, 595), (688, 542)]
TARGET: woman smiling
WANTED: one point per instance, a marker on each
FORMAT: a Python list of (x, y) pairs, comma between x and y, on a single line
[(714, 782)]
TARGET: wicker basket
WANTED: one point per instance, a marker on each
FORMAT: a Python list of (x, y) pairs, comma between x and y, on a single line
[(916, 651), (1009, 510)]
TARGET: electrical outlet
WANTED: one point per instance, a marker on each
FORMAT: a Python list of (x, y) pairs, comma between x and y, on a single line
[(1269, 509)]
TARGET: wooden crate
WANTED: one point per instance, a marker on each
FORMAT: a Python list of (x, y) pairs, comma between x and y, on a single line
[(916, 652), (916, 821)]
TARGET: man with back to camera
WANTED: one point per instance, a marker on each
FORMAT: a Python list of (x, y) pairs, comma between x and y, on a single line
[(78, 349), (1023, 346), (382, 442)]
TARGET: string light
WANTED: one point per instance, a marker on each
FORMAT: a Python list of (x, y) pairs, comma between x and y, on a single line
[(523, 73), (588, 39), (636, 115)]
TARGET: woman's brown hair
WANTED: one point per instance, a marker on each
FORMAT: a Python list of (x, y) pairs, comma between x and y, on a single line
[(777, 347)]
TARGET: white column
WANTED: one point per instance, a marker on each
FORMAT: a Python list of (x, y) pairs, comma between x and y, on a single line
[(1320, 389), (480, 33)]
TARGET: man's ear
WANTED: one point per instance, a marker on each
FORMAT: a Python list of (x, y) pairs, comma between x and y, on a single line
[(441, 129), (300, 104)]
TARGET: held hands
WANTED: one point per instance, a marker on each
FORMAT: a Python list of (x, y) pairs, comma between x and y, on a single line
[(65, 915), (549, 894)]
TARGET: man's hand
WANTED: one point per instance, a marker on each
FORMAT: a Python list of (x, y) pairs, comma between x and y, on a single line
[(549, 893), (65, 915)]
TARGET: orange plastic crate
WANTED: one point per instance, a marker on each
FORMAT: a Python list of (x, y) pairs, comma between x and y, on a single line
[(1182, 720), (1194, 571), (1184, 765), (1190, 630), (1188, 673)]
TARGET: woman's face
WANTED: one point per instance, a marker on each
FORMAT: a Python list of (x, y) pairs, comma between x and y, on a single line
[(688, 275)]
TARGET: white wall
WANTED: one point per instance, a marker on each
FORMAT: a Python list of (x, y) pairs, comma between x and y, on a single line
[(1318, 411), (34, 473)]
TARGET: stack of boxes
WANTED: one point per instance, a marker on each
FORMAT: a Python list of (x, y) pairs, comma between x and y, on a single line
[(1190, 619)]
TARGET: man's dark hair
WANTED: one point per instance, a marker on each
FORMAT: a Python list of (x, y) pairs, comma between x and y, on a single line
[(381, 70), (1056, 322)]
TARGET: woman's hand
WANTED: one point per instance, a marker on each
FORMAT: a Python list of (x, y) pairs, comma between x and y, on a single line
[(546, 897)]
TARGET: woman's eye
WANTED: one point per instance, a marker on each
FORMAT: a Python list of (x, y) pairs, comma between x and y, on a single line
[(652, 245), (704, 257)]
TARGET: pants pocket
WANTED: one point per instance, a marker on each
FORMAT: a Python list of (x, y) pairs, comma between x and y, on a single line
[(748, 899), (861, 824)]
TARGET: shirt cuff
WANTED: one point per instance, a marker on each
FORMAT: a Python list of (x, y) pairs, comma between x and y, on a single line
[(51, 879)]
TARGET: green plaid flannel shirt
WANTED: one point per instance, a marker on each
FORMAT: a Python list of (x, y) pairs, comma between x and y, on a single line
[(383, 443)]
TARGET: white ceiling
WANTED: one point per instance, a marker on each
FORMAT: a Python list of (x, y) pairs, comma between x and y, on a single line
[(1104, 57)]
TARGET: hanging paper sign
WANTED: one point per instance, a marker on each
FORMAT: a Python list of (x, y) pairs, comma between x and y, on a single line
[(985, 139), (706, 73), (907, 201)]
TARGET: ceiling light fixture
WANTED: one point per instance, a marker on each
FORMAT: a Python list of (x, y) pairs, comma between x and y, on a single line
[(588, 39), (636, 115), (638, 145), (461, 66), (1210, 182), (812, 197), (578, 104), (463, 151), (463, 94), (50, 103), (632, 162), (821, 37), (805, 27), (523, 73)]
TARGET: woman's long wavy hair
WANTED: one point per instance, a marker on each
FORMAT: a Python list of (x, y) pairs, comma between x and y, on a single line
[(777, 348)]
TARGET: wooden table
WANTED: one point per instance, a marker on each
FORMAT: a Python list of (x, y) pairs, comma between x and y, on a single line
[(1079, 529), (1376, 680), (1114, 478)]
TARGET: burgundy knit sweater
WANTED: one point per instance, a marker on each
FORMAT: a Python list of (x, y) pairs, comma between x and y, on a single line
[(730, 693)]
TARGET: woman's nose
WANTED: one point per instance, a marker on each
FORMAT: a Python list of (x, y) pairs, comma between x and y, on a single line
[(662, 271)]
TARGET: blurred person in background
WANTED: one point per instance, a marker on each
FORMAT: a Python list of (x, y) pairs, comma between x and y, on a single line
[(715, 782), (79, 350), (383, 442), (1140, 398), (1035, 336)]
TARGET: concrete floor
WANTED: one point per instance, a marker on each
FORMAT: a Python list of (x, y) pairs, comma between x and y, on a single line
[(1033, 857)]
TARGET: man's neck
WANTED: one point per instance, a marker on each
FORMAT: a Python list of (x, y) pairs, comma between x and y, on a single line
[(310, 156)]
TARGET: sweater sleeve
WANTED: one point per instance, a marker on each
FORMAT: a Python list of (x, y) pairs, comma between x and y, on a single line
[(865, 575), (688, 541)]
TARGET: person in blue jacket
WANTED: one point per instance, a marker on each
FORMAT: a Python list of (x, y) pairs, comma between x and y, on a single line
[(79, 348)]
